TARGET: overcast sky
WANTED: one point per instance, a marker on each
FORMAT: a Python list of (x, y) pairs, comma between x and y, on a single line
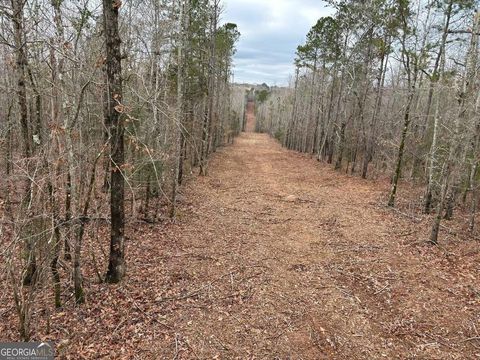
[(271, 31)]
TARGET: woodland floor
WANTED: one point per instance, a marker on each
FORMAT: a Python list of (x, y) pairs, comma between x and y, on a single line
[(277, 256)]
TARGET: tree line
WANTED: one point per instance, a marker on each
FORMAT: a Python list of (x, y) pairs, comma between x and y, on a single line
[(390, 86), (105, 108)]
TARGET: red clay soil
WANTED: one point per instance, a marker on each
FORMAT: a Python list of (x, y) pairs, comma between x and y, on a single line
[(277, 256)]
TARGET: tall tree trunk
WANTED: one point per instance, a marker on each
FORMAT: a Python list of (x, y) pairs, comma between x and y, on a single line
[(373, 121), (116, 265), (179, 115), (212, 71), (401, 149), (291, 121), (58, 115), (21, 62), (311, 118), (437, 78), (412, 74), (323, 144)]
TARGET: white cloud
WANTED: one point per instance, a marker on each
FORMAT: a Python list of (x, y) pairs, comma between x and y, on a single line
[(271, 31)]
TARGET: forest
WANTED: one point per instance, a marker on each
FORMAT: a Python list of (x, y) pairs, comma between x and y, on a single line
[(102, 117), (154, 207), (390, 87)]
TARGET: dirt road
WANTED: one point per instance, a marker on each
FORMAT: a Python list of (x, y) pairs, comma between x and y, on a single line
[(250, 115), (281, 257), (276, 256)]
